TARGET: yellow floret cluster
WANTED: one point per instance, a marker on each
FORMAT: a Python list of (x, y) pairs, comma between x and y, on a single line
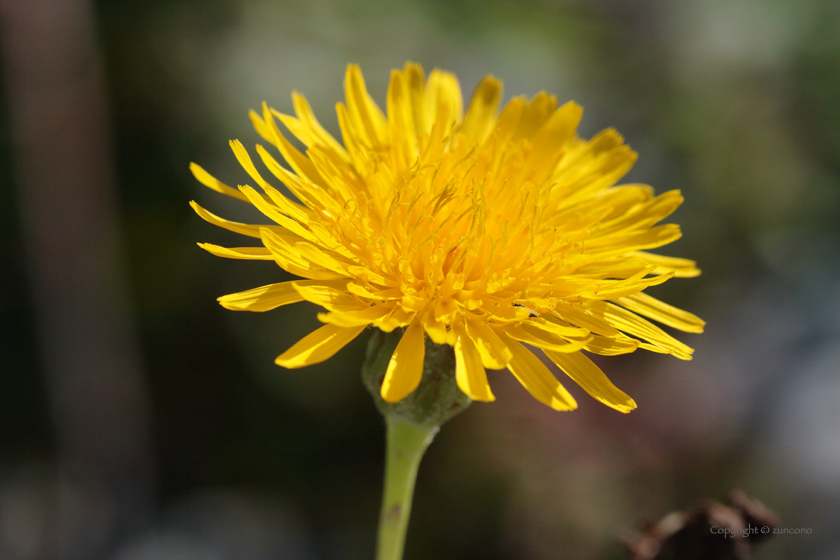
[(483, 230)]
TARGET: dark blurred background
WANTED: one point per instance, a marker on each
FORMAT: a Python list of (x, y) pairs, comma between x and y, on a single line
[(141, 421)]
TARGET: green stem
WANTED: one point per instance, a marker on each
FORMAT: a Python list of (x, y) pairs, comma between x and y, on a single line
[(406, 443)]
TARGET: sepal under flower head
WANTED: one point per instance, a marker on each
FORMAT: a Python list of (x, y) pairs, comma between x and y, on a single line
[(435, 400)]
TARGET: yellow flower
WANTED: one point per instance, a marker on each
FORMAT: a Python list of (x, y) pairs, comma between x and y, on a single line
[(478, 230)]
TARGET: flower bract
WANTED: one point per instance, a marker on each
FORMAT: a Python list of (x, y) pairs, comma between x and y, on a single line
[(497, 232)]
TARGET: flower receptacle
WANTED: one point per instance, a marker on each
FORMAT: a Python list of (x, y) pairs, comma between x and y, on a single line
[(435, 400)]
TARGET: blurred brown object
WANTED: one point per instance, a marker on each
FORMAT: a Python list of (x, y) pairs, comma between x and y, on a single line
[(89, 351), (712, 531)]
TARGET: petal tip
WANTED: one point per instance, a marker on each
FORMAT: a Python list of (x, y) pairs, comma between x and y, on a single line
[(288, 363)]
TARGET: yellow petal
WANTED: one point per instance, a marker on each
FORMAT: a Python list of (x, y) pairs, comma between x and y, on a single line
[(330, 295), (444, 106), (245, 161), (443, 98), (261, 126), (592, 379), (634, 325), (544, 340), (292, 209), (549, 141), (354, 140), (320, 257), (592, 167), (366, 275), (318, 346), (268, 297), (209, 181), (416, 82), (536, 112), (622, 266), (367, 117), (353, 318), (556, 329), (619, 199), (622, 242), (263, 298), (634, 284), (612, 346), (578, 315), (683, 268), (469, 371), (434, 328), (298, 162), (536, 378), (652, 308), (309, 131), (361, 291), (290, 260), (272, 212), (405, 370), (494, 353), (642, 215), (310, 194), (346, 183), (244, 229), (307, 117), (398, 318), (481, 114), (244, 253), (507, 123), (401, 120)]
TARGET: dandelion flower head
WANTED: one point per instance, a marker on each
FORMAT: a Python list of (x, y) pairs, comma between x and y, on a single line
[(482, 229)]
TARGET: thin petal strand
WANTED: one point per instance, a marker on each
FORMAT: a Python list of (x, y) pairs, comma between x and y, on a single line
[(263, 298), (318, 346), (652, 308)]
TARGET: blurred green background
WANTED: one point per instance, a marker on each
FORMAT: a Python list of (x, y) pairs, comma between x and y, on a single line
[(184, 441)]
